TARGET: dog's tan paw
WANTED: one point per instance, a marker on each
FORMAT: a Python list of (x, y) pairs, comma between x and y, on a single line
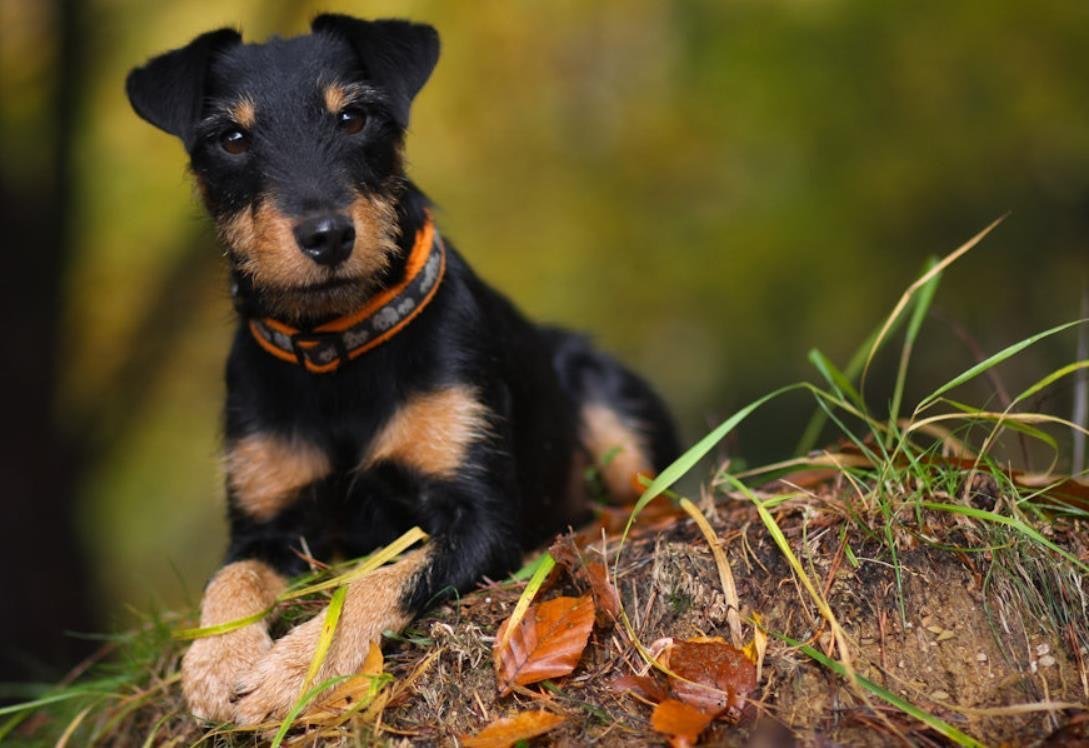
[(270, 688), (212, 666)]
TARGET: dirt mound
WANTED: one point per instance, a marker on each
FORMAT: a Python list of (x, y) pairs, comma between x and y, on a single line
[(938, 628)]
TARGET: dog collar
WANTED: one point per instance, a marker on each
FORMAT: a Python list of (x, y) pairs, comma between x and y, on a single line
[(324, 348)]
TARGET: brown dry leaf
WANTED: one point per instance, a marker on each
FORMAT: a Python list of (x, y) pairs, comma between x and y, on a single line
[(566, 553), (595, 575), (682, 722), (509, 730), (758, 646), (608, 602), (643, 685), (547, 643), (721, 676)]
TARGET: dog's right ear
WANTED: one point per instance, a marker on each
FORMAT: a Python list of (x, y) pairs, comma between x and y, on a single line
[(168, 91)]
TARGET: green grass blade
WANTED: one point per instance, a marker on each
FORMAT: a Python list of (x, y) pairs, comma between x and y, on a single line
[(992, 361), (302, 703), (1051, 379), (528, 570), (328, 629), (697, 452), (1012, 522), (545, 566), (918, 313), (941, 265), (365, 566), (928, 719), (849, 374), (839, 380), (372, 562), (222, 628), (51, 699)]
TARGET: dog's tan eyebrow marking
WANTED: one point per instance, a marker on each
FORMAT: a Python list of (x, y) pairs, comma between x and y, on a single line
[(243, 112), (432, 432), (265, 472), (337, 96)]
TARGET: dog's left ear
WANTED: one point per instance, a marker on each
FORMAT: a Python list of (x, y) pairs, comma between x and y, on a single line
[(396, 55)]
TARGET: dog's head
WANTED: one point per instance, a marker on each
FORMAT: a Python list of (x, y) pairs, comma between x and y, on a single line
[(296, 148)]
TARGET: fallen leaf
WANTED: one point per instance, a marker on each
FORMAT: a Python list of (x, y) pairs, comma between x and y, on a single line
[(373, 663), (682, 722), (718, 677), (507, 731), (644, 685), (566, 553), (756, 649), (601, 587), (546, 644), (595, 575), (361, 686)]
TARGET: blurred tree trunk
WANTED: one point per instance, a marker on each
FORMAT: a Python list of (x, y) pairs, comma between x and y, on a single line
[(46, 578)]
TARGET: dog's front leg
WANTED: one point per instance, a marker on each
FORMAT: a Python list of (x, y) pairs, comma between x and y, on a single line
[(212, 664), (456, 556), (266, 475)]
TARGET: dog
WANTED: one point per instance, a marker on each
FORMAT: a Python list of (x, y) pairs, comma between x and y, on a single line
[(374, 382)]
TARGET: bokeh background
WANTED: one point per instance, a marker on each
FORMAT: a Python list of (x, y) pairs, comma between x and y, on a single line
[(710, 187)]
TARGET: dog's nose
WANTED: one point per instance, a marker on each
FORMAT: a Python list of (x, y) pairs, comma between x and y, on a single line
[(327, 239)]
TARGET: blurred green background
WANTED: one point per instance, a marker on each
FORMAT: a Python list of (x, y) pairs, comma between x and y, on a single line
[(710, 187)]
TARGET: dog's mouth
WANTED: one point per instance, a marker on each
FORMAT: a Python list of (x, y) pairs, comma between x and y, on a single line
[(330, 284), (306, 302)]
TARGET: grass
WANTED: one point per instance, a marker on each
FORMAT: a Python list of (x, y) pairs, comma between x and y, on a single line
[(931, 476)]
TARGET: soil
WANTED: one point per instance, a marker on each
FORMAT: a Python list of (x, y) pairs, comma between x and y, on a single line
[(995, 642), (947, 638)]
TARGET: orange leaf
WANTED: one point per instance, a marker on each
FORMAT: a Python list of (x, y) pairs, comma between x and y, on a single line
[(567, 554), (682, 722), (721, 676), (359, 685), (374, 663), (547, 643), (509, 730)]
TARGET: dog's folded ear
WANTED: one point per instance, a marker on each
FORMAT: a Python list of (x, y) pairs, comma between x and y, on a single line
[(168, 91), (398, 56)]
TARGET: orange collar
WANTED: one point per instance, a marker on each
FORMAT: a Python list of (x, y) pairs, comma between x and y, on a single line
[(324, 348)]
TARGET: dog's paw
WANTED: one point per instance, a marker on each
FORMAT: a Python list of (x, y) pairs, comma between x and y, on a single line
[(270, 688), (212, 666)]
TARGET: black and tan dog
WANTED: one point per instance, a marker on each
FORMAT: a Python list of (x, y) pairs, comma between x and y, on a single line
[(374, 382)]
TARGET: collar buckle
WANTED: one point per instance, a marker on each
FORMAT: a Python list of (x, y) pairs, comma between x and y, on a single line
[(303, 342)]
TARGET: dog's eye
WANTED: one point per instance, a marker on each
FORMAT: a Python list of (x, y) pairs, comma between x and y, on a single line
[(235, 141), (351, 120)]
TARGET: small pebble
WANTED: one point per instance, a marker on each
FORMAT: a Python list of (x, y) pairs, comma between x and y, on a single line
[(939, 696), (1047, 661), (981, 657), (1043, 649)]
